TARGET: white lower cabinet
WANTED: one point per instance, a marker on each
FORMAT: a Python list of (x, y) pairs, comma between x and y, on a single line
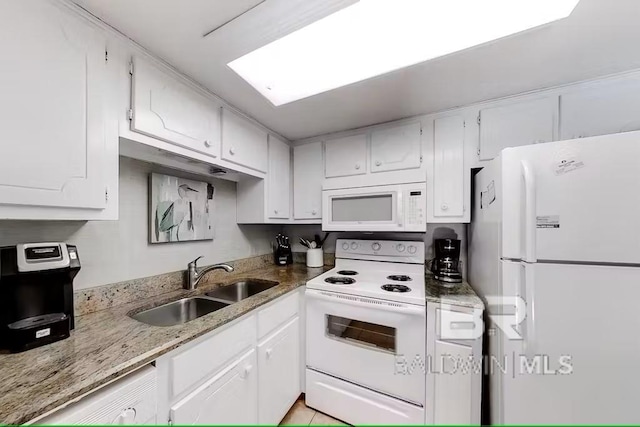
[(230, 397), (242, 374), (453, 385), (454, 352), (278, 381)]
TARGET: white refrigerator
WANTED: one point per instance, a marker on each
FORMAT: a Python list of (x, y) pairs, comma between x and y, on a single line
[(558, 225)]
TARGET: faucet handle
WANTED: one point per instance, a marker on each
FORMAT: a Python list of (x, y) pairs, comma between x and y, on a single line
[(195, 262)]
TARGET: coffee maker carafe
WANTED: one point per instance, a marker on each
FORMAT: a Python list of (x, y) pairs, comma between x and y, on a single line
[(445, 264), (36, 294)]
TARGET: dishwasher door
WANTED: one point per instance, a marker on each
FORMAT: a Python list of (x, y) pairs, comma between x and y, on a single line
[(130, 400)]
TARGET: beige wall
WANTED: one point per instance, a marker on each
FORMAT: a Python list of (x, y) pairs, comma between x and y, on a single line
[(113, 251)]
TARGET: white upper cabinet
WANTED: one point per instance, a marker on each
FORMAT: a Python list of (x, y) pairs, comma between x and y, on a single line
[(55, 151), (396, 148), (449, 196), (600, 109), (517, 123), (279, 179), (243, 142), (346, 156), (307, 181), (165, 108)]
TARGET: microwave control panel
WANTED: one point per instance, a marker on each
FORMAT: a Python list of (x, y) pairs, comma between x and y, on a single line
[(415, 209)]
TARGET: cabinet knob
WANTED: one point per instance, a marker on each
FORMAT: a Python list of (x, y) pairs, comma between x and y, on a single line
[(245, 372), (357, 165), (444, 207), (207, 143), (314, 212), (378, 163), (232, 151), (275, 211), (268, 353)]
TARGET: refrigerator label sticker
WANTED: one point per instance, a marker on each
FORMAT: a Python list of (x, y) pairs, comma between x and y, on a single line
[(548, 221), (567, 165), (488, 196)]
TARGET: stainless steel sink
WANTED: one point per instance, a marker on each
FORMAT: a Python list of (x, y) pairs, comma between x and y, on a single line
[(179, 312), (240, 290)]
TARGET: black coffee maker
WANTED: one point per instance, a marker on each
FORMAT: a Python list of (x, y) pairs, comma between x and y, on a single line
[(445, 264), (36, 294)]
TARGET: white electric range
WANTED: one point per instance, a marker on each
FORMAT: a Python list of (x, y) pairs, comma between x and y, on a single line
[(366, 327)]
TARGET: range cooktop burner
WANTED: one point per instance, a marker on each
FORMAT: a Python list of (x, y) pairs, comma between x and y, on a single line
[(340, 280), (399, 278), (348, 272), (396, 288)]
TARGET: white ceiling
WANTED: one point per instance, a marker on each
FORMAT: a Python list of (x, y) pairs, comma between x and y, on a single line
[(600, 37)]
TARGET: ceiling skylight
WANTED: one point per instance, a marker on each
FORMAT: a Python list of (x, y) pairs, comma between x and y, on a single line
[(373, 37)]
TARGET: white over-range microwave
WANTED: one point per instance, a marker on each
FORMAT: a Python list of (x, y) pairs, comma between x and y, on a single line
[(400, 207)]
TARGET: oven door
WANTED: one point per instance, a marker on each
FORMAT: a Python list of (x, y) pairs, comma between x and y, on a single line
[(373, 343), (363, 209)]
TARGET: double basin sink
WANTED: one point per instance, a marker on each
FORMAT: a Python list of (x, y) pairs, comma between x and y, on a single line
[(186, 309)]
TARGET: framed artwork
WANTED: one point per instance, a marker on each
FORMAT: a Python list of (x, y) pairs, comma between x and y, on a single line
[(180, 209)]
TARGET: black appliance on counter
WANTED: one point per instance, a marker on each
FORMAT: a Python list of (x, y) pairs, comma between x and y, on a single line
[(36, 294), (445, 264), (282, 254)]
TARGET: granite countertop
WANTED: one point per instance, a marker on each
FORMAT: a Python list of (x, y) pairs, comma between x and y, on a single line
[(108, 344), (461, 294)]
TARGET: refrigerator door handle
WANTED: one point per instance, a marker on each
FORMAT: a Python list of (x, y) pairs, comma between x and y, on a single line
[(529, 212), (528, 283)]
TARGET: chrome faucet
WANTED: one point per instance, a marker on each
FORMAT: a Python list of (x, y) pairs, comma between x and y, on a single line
[(194, 274)]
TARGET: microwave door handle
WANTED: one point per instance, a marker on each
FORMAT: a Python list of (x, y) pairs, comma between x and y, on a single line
[(400, 218)]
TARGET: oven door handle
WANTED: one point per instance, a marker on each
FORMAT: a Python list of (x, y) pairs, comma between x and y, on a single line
[(376, 304)]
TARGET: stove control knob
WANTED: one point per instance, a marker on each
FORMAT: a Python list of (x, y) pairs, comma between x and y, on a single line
[(376, 246), (354, 246), (412, 249), (345, 246), (400, 247)]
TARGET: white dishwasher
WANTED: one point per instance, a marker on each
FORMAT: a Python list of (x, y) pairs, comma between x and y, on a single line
[(130, 400)]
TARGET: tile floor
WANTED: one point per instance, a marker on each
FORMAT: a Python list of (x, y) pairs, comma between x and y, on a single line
[(300, 414)]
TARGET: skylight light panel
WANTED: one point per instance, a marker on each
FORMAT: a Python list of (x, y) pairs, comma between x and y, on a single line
[(373, 37)]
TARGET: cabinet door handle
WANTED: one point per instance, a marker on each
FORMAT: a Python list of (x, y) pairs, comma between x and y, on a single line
[(232, 151), (357, 165), (444, 207), (378, 163), (245, 372), (207, 143), (314, 212), (268, 353), (275, 211)]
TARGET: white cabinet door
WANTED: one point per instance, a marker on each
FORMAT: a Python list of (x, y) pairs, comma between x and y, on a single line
[(396, 148), (601, 109), (346, 156), (448, 168), (279, 179), (53, 151), (243, 142), (230, 397), (278, 373), (515, 124), (307, 181), (453, 386), (167, 109)]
